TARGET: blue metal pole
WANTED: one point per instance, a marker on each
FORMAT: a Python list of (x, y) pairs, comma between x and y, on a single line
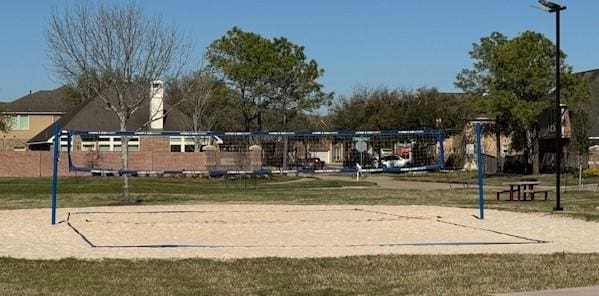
[(57, 132), (481, 172)]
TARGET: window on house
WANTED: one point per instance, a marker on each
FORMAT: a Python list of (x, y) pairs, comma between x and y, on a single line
[(89, 138), (63, 143), (183, 144), (19, 122), (337, 153), (104, 143)]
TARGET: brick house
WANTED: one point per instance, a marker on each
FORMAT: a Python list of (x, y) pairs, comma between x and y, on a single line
[(146, 153), (31, 114), (91, 115)]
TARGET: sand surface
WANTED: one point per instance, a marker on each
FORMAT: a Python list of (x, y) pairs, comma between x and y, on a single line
[(239, 231)]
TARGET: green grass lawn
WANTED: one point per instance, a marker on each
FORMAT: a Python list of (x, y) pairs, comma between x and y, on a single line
[(102, 191), (496, 180), (360, 275)]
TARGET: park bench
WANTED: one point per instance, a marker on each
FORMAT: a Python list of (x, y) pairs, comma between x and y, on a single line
[(532, 192), (523, 189), (498, 192)]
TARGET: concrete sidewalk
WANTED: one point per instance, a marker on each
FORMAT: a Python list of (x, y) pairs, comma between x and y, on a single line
[(586, 291)]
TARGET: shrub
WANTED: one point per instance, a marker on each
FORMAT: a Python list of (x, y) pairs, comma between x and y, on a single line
[(592, 172)]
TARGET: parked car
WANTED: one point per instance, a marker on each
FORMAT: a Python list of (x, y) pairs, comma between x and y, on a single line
[(386, 152), (394, 161), (314, 163), (366, 160)]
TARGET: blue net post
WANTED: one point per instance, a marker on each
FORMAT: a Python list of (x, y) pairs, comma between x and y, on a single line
[(481, 172), (57, 133)]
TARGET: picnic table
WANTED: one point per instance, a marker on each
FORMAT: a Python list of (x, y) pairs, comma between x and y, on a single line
[(523, 188)]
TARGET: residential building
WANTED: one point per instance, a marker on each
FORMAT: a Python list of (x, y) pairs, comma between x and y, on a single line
[(30, 114), (91, 115)]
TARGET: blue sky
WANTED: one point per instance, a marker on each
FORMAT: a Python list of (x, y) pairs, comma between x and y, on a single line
[(402, 43)]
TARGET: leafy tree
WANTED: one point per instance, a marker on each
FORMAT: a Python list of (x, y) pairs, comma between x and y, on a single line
[(384, 108), (512, 80), (267, 76), (112, 54), (477, 83), (369, 109), (242, 61), (292, 82)]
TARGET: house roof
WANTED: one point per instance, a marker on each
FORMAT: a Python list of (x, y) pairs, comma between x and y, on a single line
[(592, 76), (91, 116), (43, 101)]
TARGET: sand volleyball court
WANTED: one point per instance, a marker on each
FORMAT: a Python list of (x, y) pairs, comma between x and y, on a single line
[(238, 231)]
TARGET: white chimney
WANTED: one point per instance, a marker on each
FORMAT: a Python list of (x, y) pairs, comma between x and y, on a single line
[(156, 105)]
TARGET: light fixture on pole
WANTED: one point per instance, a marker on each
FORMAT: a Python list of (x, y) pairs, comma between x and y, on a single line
[(556, 8)]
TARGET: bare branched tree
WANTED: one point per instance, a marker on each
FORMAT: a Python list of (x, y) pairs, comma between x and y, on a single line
[(195, 94), (112, 54)]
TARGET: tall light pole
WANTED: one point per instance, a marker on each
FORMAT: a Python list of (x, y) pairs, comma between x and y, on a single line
[(556, 8)]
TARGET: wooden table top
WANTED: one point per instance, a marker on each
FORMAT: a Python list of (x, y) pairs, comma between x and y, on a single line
[(522, 183)]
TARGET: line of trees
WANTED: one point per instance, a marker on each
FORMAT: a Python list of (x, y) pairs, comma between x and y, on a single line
[(385, 108), (113, 53)]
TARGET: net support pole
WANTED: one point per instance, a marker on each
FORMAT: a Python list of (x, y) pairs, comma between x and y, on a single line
[(57, 132), (481, 172)]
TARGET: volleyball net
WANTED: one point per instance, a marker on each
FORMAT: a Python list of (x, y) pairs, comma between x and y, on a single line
[(220, 153)]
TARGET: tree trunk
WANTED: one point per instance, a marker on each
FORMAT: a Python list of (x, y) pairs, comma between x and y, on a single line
[(125, 163), (259, 115), (285, 142), (499, 168), (579, 171), (196, 128), (285, 152), (535, 151), (526, 159)]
